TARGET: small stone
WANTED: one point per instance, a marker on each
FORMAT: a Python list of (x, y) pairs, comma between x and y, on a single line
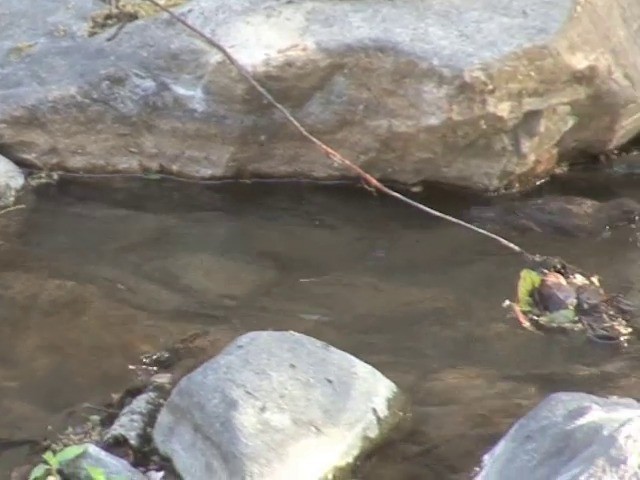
[(155, 475), (162, 379), (96, 458), (134, 421), (554, 293), (248, 414), (570, 436)]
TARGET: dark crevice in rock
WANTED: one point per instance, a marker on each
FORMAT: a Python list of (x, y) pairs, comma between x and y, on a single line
[(9, 153)]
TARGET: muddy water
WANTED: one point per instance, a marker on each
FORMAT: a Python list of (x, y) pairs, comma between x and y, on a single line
[(95, 272)]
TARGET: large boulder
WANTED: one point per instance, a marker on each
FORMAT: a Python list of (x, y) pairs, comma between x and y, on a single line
[(570, 436), (482, 94), (275, 405)]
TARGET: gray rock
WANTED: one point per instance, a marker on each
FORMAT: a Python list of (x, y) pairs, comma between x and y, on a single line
[(570, 436), (136, 419), (553, 214), (112, 466), (275, 405), (11, 181), (481, 94)]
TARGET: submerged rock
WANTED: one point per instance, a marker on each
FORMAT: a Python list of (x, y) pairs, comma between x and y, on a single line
[(185, 355), (79, 468), (11, 182), (562, 215), (478, 94), (275, 405), (570, 436)]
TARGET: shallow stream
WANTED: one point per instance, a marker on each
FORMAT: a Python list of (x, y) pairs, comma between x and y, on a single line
[(95, 272)]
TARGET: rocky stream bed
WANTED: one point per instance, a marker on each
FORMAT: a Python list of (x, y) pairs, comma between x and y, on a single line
[(182, 299)]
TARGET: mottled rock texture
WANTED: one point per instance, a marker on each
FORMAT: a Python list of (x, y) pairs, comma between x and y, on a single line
[(570, 436), (272, 406), (482, 94)]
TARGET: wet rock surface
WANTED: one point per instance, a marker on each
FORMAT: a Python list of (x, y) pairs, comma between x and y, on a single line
[(275, 405), (11, 182), (570, 436), (96, 458), (559, 215), (453, 92), (134, 422), (183, 356)]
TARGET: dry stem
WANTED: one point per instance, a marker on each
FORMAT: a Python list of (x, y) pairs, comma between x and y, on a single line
[(10, 209)]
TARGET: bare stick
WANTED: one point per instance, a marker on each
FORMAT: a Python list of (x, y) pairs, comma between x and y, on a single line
[(10, 209), (328, 151)]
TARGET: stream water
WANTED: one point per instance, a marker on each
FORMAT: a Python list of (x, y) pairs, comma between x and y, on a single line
[(95, 272)]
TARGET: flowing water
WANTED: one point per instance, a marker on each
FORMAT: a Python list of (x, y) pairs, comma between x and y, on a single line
[(95, 272)]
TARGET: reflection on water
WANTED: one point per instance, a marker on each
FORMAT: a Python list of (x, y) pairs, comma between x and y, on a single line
[(95, 273)]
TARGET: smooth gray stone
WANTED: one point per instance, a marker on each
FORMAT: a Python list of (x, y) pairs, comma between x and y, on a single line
[(112, 466), (275, 405), (570, 436)]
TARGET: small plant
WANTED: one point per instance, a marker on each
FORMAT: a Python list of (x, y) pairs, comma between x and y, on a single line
[(48, 470), (97, 473)]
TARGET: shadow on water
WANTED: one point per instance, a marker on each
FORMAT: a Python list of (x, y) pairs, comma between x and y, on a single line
[(95, 272)]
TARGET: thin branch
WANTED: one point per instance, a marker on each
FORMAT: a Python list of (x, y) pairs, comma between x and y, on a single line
[(10, 209), (328, 151)]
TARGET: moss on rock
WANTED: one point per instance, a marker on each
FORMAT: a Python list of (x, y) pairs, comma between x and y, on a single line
[(125, 11)]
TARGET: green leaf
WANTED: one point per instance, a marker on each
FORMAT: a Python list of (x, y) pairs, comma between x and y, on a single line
[(527, 284), (96, 473), (560, 318), (39, 472), (70, 452), (51, 459)]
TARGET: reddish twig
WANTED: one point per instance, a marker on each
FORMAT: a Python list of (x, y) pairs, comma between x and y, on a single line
[(368, 179)]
